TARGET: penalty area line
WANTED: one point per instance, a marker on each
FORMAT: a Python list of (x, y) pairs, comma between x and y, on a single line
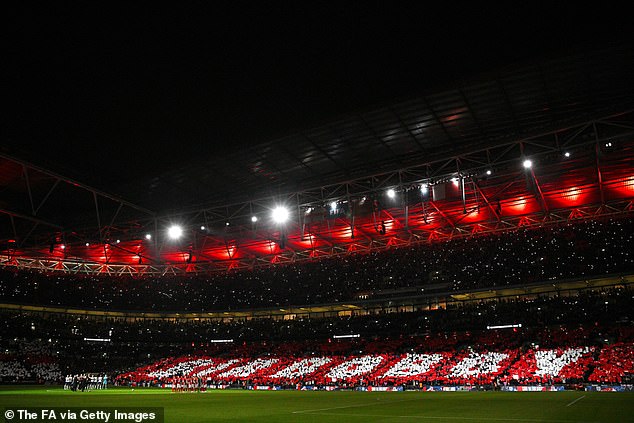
[(578, 399)]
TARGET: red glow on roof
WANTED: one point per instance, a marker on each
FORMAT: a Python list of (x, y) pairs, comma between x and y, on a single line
[(475, 215), (574, 195), (517, 205), (627, 184), (308, 241), (343, 233)]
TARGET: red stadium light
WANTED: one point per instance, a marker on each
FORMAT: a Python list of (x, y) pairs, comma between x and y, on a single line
[(628, 184), (572, 194)]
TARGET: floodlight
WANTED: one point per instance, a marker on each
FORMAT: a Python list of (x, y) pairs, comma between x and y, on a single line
[(527, 164), (202, 228), (148, 236), (489, 172), (175, 232), (514, 325), (333, 206), (254, 219), (280, 214), (424, 189), (567, 154), (391, 193)]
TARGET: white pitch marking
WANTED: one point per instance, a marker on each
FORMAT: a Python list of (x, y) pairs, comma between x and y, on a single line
[(578, 399), (351, 406)]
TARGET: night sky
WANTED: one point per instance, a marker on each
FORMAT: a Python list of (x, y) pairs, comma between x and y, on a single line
[(108, 95)]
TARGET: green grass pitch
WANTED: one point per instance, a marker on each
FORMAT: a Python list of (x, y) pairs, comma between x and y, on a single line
[(324, 407)]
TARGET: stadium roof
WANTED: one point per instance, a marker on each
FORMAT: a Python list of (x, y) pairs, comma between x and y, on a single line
[(222, 104), (72, 151), (491, 109), (495, 108)]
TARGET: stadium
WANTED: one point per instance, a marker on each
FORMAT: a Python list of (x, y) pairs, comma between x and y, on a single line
[(453, 250)]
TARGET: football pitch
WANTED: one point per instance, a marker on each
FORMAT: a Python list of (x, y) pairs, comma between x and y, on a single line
[(323, 407)]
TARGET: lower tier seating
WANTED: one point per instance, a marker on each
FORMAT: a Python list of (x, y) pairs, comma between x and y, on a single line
[(388, 364)]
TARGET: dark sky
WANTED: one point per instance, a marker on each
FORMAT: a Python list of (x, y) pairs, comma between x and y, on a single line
[(106, 95)]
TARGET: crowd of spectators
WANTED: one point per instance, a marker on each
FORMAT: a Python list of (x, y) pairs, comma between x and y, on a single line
[(28, 360), (614, 364), (603, 306), (469, 364), (456, 340), (13, 371), (522, 256)]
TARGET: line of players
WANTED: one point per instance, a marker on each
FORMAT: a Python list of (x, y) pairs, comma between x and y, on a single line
[(187, 384), (84, 382)]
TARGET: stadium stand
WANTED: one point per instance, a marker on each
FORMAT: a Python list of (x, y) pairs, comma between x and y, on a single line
[(614, 364), (571, 338), (576, 249), (463, 366)]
